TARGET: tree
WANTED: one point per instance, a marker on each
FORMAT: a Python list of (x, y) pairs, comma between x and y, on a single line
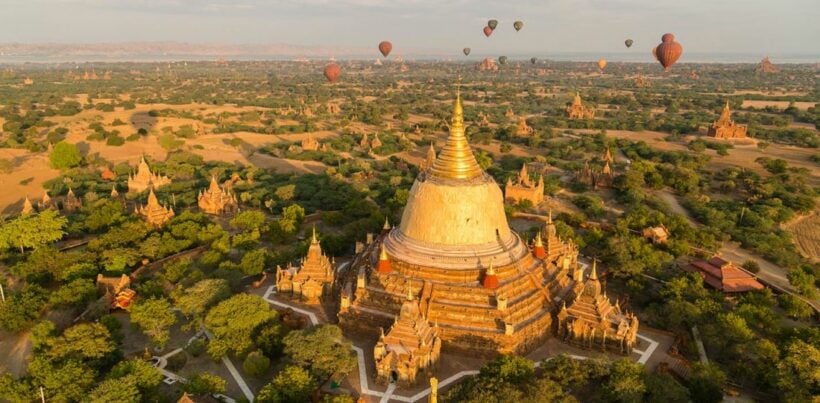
[(77, 293), (322, 348), (233, 322), (797, 372), (269, 338), (663, 388), (253, 262), (565, 370), (205, 383), (84, 341), (33, 230), (286, 192), (21, 309), (294, 384), (116, 390), (256, 363), (155, 317), (65, 155), (248, 220), (66, 381), (145, 376), (194, 301), (705, 383), (625, 382)]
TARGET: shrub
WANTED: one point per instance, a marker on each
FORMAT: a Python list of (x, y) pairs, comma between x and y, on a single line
[(256, 364)]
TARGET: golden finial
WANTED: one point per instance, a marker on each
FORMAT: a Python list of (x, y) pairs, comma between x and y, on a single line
[(386, 225), (594, 274), (456, 159), (383, 253), (538, 243), (314, 239), (491, 270), (409, 290)]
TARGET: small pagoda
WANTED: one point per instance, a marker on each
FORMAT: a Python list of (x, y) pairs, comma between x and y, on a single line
[(71, 203), (726, 128), (144, 179), (577, 110), (523, 129), (28, 208), (154, 213), (216, 200), (310, 144), (410, 346), (590, 320), (524, 188), (311, 281)]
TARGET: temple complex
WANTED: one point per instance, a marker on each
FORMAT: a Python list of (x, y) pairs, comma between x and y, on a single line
[(594, 178), (524, 188), (216, 200), (71, 203), (154, 213), (523, 130), (488, 64), (577, 110), (726, 128), (311, 281), (487, 291), (766, 66), (591, 320), (410, 346), (144, 179)]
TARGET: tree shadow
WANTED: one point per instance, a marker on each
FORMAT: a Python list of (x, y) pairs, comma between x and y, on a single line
[(143, 120)]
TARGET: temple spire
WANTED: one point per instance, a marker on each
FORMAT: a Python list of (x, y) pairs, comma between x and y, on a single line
[(593, 275), (456, 159), (314, 239)]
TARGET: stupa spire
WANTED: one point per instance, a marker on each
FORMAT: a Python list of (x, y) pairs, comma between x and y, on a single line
[(594, 274), (456, 159), (314, 239)]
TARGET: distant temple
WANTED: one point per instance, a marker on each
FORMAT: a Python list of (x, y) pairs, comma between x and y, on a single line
[(523, 130), (410, 346), (723, 275), (597, 179), (71, 203), (216, 200), (484, 122), (431, 158), (310, 282), (766, 66), (726, 128), (333, 108), (46, 202), (117, 290), (153, 212), (509, 114), (525, 188), (28, 208), (591, 321), (145, 179), (310, 144), (488, 64), (577, 110), (28, 81), (376, 143)]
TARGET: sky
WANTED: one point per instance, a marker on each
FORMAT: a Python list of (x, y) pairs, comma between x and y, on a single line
[(701, 26)]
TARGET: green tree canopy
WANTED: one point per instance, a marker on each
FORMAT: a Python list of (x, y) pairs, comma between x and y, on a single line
[(33, 230), (65, 155), (322, 348), (233, 322), (155, 317)]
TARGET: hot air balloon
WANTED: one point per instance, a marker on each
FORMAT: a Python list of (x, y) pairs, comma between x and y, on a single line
[(492, 24), (385, 47), (628, 43), (466, 51), (668, 52), (332, 72), (533, 60), (601, 64), (518, 25), (488, 31), (502, 60)]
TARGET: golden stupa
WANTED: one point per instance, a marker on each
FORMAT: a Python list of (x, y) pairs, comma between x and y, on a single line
[(453, 235)]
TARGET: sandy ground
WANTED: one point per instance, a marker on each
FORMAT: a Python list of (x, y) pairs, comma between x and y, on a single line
[(777, 104), (33, 169), (15, 350)]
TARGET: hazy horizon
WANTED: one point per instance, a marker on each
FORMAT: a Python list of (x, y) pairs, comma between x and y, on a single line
[(427, 29)]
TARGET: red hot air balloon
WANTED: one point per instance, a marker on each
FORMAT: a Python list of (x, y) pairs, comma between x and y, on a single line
[(385, 47), (488, 31), (332, 72), (668, 52)]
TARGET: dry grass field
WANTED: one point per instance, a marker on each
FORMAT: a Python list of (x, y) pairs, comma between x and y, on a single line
[(805, 231)]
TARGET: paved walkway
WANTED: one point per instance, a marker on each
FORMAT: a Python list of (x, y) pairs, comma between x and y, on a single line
[(389, 394)]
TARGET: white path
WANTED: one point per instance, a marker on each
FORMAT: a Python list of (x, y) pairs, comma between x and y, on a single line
[(246, 390), (389, 395)]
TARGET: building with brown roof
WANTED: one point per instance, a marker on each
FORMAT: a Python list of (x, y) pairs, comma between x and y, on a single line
[(524, 188), (411, 346), (310, 282), (724, 275), (726, 128)]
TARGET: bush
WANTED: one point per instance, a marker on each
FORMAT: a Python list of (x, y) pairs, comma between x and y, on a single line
[(751, 266), (205, 383), (196, 347), (65, 155), (177, 361), (256, 364)]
